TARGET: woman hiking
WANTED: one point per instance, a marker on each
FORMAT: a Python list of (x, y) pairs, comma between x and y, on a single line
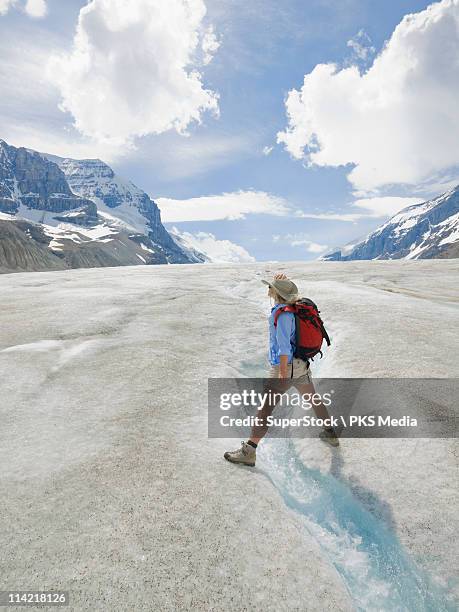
[(285, 366)]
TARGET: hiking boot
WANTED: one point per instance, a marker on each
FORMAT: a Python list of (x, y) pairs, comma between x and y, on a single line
[(246, 455), (329, 437)]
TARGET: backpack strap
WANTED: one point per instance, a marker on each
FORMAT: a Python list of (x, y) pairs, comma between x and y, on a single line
[(324, 333), (279, 311)]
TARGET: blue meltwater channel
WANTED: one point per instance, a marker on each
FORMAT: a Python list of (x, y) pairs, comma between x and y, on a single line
[(378, 573)]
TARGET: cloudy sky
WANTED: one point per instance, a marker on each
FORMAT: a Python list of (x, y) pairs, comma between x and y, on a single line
[(284, 127)]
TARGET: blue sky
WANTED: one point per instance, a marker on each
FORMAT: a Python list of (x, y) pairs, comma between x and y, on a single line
[(265, 49)]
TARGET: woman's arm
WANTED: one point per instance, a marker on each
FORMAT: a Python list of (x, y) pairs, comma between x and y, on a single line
[(284, 329)]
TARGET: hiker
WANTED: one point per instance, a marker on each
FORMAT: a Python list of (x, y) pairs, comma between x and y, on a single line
[(286, 364)]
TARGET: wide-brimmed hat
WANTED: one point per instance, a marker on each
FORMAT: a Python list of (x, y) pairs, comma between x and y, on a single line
[(285, 288)]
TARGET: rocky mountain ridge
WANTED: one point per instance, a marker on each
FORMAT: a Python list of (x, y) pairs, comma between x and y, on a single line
[(423, 231), (77, 213), (95, 180), (30, 180)]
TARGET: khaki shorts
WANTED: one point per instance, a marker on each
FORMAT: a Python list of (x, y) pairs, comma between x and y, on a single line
[(301, 371)]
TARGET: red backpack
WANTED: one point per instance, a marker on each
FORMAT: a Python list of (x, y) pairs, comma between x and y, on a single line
[(309, 328)]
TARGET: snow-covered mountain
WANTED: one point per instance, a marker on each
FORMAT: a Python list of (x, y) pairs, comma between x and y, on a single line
[(423, 231), (76, 213), (120, 202), (30, 181)]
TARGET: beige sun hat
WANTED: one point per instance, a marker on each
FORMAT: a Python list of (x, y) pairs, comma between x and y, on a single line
[(285, 288)]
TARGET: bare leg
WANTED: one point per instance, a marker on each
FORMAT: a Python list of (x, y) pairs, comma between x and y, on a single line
[(308, 388), (328, 434), (275, 386)]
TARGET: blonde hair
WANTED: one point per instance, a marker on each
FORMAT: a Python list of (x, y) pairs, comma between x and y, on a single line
[(279, 299)]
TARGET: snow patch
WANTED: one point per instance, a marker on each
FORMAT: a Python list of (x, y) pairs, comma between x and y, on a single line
[(66, 231), (451, 224), (41, 346), (125, 215)]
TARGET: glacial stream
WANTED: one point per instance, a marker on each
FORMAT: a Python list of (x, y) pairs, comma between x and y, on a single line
[(377, 572)]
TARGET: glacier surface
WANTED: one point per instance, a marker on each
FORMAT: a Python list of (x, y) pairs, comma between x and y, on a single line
[(112, 490)]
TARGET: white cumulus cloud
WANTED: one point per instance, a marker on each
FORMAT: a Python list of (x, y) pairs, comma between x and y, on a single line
[(218, 251), (230, 206), (35, 8), (134, 68), (361, 46), (301, 240), (331, 216), (5, 6), (398, 122), (385, 205), (378, 206)]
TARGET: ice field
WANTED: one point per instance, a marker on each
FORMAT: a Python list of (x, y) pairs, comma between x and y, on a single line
[(111, 489)]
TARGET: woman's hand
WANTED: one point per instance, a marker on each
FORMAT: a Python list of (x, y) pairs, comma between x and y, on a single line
[(280, 276), (283, 366)]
